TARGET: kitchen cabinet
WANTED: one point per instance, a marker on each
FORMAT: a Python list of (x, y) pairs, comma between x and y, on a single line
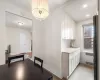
[(70, 61), (68, 28), (74, 60)]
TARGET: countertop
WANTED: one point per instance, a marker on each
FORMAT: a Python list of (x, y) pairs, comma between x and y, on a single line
[(69, 50)]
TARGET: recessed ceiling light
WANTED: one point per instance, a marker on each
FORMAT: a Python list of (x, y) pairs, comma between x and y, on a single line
[(85, 5), (20, 23), (87, 15)]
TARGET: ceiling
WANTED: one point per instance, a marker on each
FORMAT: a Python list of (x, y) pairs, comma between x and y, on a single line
[(72, 7), (26, 4), (77, 12), (13, 20)]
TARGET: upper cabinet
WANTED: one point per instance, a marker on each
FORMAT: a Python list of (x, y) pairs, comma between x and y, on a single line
[(68, 28)]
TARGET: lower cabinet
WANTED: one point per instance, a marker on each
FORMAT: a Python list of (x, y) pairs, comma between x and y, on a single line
[(74, 60), (69, 62)]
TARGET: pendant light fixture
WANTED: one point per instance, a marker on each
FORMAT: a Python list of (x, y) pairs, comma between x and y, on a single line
[(40, 9)]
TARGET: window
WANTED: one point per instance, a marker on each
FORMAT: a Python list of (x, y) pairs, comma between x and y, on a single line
[(88, 36)]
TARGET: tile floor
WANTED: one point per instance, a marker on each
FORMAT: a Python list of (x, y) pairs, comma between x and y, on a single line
[(81, 73)]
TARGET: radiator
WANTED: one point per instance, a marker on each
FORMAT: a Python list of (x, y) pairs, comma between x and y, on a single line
[(89, 55)]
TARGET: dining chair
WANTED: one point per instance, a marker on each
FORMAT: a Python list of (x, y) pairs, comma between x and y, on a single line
[(37, 61), (51, 78)]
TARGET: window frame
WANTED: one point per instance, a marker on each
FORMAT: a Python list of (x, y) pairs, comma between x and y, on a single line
[(83, 34)]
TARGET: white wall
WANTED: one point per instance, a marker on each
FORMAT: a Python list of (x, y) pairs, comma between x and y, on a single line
[(47, 42), (14, 38), (80, 40), (5, 5), (65, 43)]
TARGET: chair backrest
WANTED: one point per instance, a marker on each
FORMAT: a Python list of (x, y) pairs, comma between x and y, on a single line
[(39, 60), (9, 49), (51, 78)]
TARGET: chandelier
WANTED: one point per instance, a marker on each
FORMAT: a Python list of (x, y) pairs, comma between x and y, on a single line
[(40, 9)]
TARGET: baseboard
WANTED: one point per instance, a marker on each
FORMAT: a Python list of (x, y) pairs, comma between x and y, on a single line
[(57, 73), (86, 65)]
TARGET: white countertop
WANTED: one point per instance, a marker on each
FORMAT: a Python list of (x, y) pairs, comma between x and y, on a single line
[(69, 50)]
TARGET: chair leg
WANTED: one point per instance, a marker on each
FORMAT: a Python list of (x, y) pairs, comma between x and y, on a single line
[(8, 62), (23, 58)]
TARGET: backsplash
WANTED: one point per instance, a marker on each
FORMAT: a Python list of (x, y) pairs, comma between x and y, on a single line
[(65, 43)]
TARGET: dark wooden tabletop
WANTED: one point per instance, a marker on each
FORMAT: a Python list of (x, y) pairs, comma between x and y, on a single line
[(23, 70)]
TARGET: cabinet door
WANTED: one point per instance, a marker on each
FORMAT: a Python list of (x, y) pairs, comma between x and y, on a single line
[(73, 64), (68, 28), (74, 60), (78, 57), (70, 65)]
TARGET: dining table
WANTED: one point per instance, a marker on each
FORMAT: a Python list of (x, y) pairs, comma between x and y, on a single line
[(24, 70)]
